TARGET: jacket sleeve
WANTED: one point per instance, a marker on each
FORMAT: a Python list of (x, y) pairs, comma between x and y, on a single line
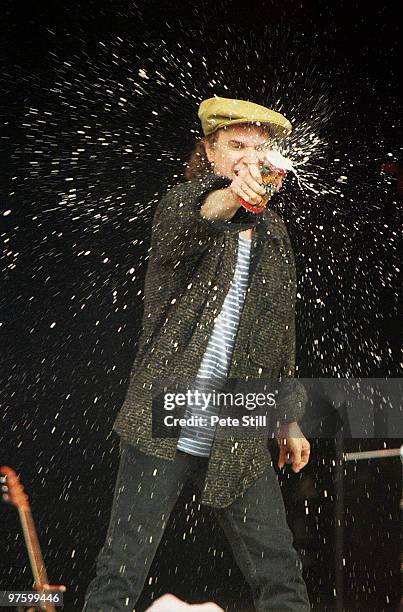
[(292, 399), (178, 228)]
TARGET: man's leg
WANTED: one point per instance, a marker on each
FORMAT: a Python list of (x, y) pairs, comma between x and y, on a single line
[(262, 543), (146, 491)]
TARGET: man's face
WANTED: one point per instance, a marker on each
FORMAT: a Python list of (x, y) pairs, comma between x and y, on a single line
[(232, 144)]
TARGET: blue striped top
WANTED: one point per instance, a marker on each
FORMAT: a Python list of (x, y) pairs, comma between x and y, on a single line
[(216, 360)]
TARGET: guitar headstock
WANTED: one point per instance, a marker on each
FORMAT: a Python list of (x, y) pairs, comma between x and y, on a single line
[(12, 489)]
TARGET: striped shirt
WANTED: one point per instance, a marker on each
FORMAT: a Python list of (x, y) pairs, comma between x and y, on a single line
[(197, 440)]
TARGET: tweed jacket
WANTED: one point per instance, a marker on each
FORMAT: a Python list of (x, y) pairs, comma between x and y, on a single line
[(191, 264)]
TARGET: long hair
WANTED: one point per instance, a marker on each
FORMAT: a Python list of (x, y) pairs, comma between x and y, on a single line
[(198, 164)]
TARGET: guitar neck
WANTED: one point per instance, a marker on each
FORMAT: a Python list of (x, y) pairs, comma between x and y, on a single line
[(13, 492), (34, 553)]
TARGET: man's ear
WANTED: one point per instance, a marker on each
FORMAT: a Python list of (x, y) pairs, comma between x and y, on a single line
[(209, 151)]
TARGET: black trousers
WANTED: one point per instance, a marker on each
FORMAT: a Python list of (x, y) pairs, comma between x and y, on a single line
[(146, 491)]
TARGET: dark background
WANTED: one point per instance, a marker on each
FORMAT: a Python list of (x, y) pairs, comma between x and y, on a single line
[(62, 386)]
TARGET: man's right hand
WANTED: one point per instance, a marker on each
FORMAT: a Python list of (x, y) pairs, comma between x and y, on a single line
[(248, 182)]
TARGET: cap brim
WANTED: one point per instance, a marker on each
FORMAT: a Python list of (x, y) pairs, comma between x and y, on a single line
[(279, 131)]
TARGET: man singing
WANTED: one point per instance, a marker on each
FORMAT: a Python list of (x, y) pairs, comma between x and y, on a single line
[(219, 304)]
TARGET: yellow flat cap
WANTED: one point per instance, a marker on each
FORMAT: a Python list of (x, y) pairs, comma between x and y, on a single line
[(215, 113)]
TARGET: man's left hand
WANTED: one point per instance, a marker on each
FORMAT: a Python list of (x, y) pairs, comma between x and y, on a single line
[(170, 603), (294, 447)]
